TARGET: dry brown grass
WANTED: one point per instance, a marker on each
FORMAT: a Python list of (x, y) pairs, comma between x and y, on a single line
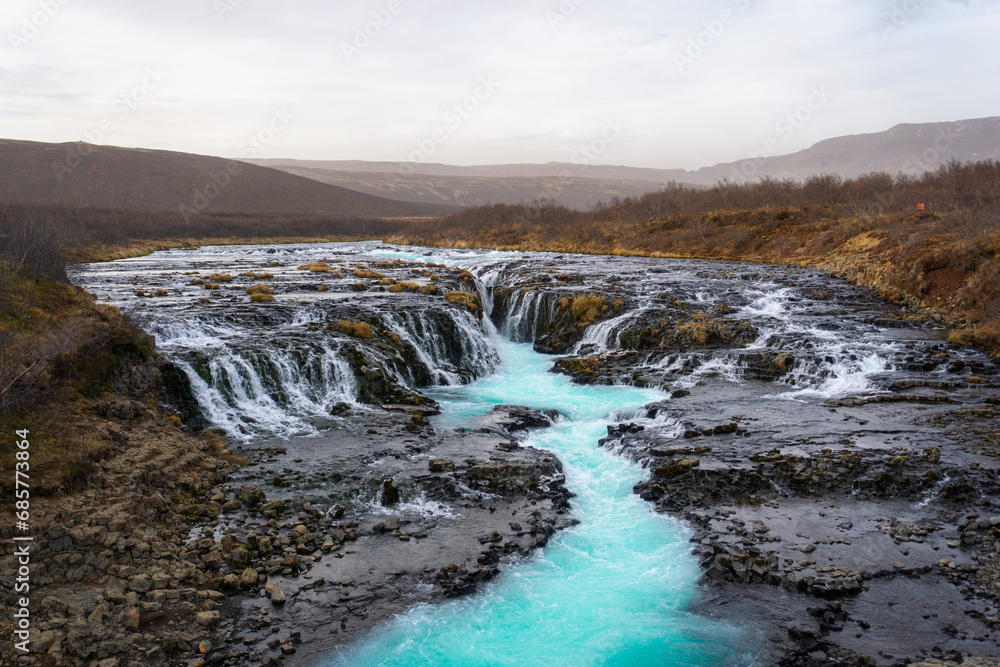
[(364, 273), (943, 258), (59, 351), (354, 329)]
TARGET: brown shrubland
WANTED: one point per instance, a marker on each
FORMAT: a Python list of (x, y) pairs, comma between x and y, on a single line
[(867, 229)]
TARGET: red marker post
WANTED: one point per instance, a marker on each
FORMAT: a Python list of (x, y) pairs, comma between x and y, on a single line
[(920, 207)]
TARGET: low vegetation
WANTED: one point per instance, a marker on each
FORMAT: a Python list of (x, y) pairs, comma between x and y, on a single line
[(467, 300), (588, 309), (59, 352), (46, 238), (260, 293), (354, 329), (364, 273), (942, 256), (316, 267)]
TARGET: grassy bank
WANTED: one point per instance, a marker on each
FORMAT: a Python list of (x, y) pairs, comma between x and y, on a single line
[(942, 257), (60, 355)]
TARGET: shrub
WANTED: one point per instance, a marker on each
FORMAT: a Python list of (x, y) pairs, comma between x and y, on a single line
[(587, 309), (316, 267), (363, 273)]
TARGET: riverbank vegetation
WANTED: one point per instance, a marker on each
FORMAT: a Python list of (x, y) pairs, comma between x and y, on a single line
[(60, 354), (941, 256), (45, 238)]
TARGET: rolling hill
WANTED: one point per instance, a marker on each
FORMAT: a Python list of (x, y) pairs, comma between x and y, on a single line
[(152, 180), (569, 190), (908, 148)]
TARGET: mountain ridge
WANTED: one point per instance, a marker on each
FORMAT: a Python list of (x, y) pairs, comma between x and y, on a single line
[(909, 148)]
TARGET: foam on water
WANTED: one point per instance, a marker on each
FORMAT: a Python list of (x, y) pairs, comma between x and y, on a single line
[(613, 590)]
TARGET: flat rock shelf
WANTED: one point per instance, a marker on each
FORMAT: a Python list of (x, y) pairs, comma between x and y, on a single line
[(498, 458)]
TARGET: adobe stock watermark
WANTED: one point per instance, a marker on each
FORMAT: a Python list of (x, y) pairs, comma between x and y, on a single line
[(713, 30), (901, 14), (365, 35), (121, 109), (453, 118), (587, 154), (224, 7), (563, 12), (786, 127), (933, 156), (249, 149), (33, 24), (590, 152)]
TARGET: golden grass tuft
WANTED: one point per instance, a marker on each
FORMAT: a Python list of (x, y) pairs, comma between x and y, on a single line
[(316, 267), (467, 300), (588, 309), (364, 273), (355, 329)]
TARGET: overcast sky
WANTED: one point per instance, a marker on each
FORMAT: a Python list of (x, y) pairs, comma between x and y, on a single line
[(657, 84)]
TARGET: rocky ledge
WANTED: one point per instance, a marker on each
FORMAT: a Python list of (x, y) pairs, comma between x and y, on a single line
[(855, 554), (187, 554)]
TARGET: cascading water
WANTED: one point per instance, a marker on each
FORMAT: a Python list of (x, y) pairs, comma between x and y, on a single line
[(279, 370), (526, 310), (613, 590), (280, 391)]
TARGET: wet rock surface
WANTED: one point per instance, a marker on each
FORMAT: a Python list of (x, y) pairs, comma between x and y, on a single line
[(289, 556), (871, 541), (465, 503), (833, 455), (858, 519)]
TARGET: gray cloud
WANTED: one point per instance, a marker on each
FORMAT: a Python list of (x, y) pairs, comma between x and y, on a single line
[(695, 83)]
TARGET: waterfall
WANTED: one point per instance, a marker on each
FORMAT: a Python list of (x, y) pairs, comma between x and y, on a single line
[(605, 336), (524, 313), (254, 393), (450, 344)]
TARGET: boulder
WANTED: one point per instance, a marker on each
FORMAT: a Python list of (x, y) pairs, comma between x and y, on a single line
[(208, 619), (132, 619), (674, 468), (390, 492), (248, 579)]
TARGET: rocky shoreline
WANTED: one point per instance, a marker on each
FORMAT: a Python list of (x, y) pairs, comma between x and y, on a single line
[(860, 531), (855, 555), (857, 531), (175, 561)]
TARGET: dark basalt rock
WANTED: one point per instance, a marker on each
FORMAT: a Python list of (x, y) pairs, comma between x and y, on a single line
[(513, 418)]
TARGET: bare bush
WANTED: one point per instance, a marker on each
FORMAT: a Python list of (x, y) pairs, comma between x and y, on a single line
[(28, 241)]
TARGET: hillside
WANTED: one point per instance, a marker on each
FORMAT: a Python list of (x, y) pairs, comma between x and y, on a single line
[(909, 148), (573, 191), (150, 180)]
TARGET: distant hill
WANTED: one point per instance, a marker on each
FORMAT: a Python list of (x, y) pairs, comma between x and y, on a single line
[(153, 180), (910, 148), (907, 148), (573, 191)]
